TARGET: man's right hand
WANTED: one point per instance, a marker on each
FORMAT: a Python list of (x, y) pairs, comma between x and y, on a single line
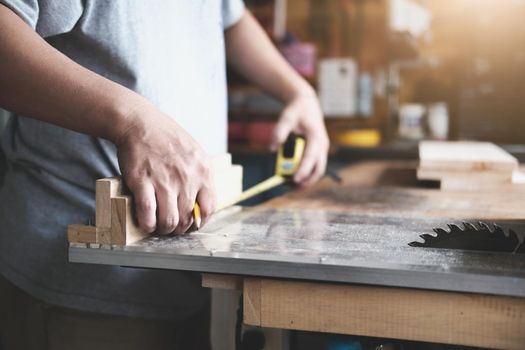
[(166, 170)]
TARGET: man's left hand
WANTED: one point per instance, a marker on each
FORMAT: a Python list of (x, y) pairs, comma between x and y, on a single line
[(303, 116)]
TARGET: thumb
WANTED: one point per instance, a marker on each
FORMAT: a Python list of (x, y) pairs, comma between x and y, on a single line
[(282, 129)]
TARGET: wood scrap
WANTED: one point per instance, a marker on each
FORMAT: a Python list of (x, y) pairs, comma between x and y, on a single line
[(115, 221), (467, 166), (81, 234), (124, 229), (464, 156)]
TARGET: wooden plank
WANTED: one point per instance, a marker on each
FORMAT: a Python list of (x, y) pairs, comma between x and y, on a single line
[(453, 184), (252, 301), (480, 176), (81, 234), (105, 190), (421, 315), (231, 282), (123, 228), (465, 156)]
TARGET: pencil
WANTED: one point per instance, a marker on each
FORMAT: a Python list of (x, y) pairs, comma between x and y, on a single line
[(197, 215)]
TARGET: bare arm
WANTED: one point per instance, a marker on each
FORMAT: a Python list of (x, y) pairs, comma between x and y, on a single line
[(251, 53), (160, 162), (41, 82)]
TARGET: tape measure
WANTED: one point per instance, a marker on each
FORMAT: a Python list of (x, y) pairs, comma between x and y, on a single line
[(289, 156), (288, 160)]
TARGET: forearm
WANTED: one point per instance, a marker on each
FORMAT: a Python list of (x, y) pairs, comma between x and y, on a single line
[(251, 53), (40, 82)]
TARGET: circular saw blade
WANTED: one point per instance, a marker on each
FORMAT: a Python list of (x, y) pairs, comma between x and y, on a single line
[(480, 236)]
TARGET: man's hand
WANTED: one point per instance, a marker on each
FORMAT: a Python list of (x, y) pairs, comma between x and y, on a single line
[(251, 53), (166, 170), (303, 116)]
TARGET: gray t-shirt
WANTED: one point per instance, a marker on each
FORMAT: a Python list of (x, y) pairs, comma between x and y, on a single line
[(171, 52)]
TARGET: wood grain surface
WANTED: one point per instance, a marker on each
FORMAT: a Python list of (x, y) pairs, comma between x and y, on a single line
[(391, 188), (440, 317)]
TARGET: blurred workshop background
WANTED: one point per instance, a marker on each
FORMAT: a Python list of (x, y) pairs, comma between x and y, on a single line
[(390, 73)]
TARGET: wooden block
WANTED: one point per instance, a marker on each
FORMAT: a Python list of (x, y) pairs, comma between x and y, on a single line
[(228, 183), (252, 301), (216, 281), (105, 190), (123, 228), (399, 313), (464, 156), (81, 234), (221, 161)]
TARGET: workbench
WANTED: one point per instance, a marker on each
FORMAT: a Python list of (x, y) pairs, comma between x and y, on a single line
[(453, 304)]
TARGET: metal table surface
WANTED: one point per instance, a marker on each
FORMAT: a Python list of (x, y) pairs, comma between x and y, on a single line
[(322, 246)]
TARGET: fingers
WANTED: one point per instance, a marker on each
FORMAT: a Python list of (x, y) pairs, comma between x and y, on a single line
[(167, 210), (320, 168), (207, 202), (318, 171), (307, 163), (185, 206), (313, 164), (145, 204), (283, 128)]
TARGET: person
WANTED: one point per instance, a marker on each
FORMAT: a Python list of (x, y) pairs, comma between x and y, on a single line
[(101, 88)]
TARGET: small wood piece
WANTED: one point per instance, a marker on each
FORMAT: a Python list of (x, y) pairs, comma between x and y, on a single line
[(230, 282), (105, 190), (399, 313), (252, 301), (81, 234), (221, 162), (123, 228), (228, 183)]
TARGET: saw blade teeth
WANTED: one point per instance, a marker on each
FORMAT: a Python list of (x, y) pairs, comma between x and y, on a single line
[(498, 230), (427, 237), (484, 226), (440, 231), (484, 236), (467, 226), (454, 228)]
